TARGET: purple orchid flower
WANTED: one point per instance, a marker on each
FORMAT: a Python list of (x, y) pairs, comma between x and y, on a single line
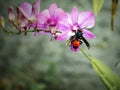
[(78, 21), (27, 14), (50, 20)]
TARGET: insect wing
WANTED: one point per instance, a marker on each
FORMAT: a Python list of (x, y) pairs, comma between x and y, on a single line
[(86, 42)]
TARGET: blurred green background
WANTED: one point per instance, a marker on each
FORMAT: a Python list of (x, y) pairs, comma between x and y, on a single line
[(35, 63)]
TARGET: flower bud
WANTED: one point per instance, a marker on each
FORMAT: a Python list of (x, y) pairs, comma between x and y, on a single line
[(11, 15), (2, 21)]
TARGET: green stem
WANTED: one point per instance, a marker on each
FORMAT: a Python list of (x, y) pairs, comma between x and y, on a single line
[(25, 31), (8, 32), (92, 61), (86, 54)]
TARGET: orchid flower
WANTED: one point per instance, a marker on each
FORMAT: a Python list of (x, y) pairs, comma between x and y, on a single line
[(27, 14), (78, 21), (50, 20)]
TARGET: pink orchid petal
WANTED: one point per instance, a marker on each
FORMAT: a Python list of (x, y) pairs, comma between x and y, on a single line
[(43, 33), (74, 15), (23, 23), (32, 18), (19, 16), (21, 20), (62, 27), (74, 50), (52, 10), (34, 33), (64, 32), (36, 7), (26, 9), (59, 13), (88, 34), (62, 37), (35, 11), (86, 19), (42, 26), (63, 20), (43, 17), (69, 20)]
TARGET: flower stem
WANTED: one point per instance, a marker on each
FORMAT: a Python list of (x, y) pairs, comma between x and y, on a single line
[(25, 31), (85, 54)]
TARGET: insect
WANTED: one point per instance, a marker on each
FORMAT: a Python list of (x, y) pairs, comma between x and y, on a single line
[(77, 39)]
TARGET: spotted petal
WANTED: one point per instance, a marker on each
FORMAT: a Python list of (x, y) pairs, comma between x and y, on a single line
[(88, 34), (86, 19)]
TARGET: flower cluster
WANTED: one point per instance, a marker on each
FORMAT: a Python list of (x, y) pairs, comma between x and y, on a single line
[(54, 21)]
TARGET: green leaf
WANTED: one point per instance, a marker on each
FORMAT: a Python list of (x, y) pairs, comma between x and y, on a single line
[(97, 5), (110, 79), (114, 10)]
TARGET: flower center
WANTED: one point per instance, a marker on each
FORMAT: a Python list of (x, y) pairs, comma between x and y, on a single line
[(75, 27), (51, 22)]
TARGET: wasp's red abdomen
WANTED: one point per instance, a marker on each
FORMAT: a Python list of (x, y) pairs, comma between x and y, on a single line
[(76, 43)]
